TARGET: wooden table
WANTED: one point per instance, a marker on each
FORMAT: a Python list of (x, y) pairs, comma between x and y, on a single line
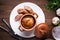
[(6, 7)]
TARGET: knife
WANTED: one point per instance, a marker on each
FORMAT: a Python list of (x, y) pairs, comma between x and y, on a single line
[(6, 23), (4, 29)]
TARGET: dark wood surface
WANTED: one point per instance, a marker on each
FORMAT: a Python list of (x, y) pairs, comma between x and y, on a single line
[(6, 7)]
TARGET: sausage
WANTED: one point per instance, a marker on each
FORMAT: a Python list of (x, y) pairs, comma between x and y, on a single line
[(28, 9), (18, 17), (22, 11)]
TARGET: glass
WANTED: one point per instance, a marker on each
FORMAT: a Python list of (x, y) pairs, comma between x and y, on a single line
[(56, 32)]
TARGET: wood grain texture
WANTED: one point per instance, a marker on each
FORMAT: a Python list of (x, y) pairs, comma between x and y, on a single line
[(6, 7)]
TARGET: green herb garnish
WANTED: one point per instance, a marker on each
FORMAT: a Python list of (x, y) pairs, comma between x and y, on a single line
[(53, 4)]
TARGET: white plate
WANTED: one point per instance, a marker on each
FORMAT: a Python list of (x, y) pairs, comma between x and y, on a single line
[(15, 25)]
